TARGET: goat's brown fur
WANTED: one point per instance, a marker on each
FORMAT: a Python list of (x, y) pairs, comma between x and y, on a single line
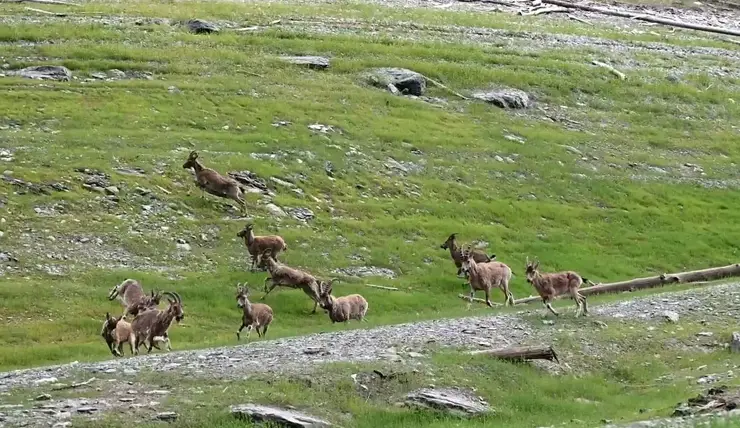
[(281, 274), (214, 183), (255, 315), (486, 276), (256, 245), (151, 326), (551, 285), (131, 295), (116, 332), (342, 309), (457, 256)]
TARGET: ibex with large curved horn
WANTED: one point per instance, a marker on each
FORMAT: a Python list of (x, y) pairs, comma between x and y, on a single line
[(151, 326)]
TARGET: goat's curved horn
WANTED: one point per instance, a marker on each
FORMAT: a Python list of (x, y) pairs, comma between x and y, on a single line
[(331, 281), (179, 299), (168, 293)]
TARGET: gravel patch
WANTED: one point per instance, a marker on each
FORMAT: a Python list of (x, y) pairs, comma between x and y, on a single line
[(303, 354)]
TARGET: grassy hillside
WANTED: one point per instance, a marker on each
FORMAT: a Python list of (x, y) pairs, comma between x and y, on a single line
[(611, 178)]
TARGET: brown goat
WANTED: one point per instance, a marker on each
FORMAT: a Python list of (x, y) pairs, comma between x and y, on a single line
[(116, 332), (456, 253), (214, 183), (255, 315), (281, 274), (342, 309), (151, 326), (256, 245), (486, 276), (133, 298), (551, 285)]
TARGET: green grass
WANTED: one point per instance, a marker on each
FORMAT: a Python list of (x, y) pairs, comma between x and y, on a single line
[(604, 223)]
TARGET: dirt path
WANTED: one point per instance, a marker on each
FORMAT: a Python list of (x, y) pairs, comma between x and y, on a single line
[(395, 343)]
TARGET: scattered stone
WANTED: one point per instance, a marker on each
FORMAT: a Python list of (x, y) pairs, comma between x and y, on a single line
[(313, 62), (44, 381), (198, 26), (87, 409), (250, 179), (302, 214), (43, 397), (403, 80), (157, 392), (45, 72), (453, 401), (329, 168), (115, 73), (130, 171), (166, 416), (505, 98), (182, 245), (734, 341), (363, 271), (275, 210), (324, 129), (111, 190), (573, 150), (671, 316), (282, 417)]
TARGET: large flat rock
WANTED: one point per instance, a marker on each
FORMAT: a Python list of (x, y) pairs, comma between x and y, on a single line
[(283, 417), (454, 401)]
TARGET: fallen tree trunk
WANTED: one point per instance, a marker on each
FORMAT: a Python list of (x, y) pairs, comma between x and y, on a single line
[(704, 275), (521, 353), (646, 18)]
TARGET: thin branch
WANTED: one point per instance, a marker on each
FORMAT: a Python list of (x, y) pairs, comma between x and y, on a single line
[(75, 385), (613, 70), (439, 85), (46, 12), (382, 287), (66, 3), (575, 18), (475, 299), (542, 10)]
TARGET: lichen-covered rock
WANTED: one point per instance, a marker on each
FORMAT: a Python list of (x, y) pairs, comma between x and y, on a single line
[(403, 80), (46, 72), (505, 98), (277, 416)]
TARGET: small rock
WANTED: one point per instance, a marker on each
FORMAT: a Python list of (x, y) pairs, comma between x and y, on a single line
[(705, 334), (166, 416), (735, 342), (87, 409), (43, 397), (573, 150), (115, 73), (157, 392), (182, 245), (111, 190), (45, 380), (198, 26), (278, 416), (671, 316), (548, 322), (314, 62), (505, 98), (275, 210), (454, 401), (303, 214)]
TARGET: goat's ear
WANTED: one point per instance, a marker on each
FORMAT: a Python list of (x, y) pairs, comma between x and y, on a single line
[(193, 155), (107, 316)]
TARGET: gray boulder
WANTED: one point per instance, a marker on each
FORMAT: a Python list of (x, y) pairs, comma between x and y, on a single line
[(313, 62), (275, 415), (199, 26), (454, 401), (505, 98), (403, 80), (46, 72)]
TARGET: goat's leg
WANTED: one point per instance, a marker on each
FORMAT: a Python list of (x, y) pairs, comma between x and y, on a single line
[(548, 305), (239, 332), (585, 304), (264, 330), (470, 300), (257, 329), (577, 298), (249, 331), (269, 278), (488, 297), (272, 287)]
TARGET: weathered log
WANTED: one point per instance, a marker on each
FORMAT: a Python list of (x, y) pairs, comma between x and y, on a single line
[(696, 276), (522, 353), (543, 10), (646, 18), (60, 2)]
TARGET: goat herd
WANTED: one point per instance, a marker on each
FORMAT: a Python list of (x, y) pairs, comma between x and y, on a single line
[(150, 324)]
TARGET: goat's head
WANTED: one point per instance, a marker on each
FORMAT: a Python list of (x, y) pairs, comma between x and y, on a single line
[(154, 298), (325, 288), (109, 324), (242, 295), (175, 307), (244, 232), (190, 163), (448, 243), (467, 260), (531, 270), (265, 258)]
